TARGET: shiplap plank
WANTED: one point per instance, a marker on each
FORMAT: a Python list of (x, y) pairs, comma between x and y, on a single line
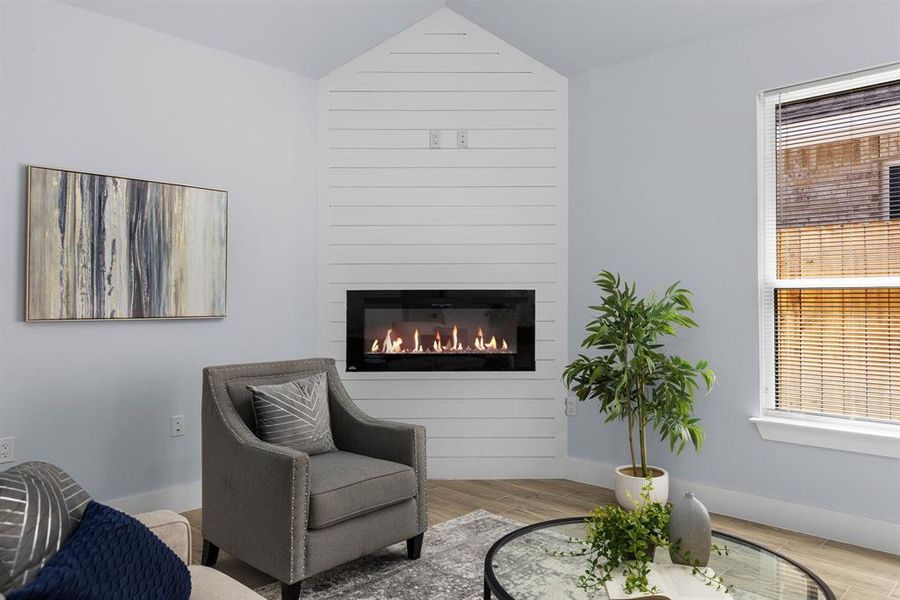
[(427, 157), (435, 274), (418, 139), (466, 43), (442, 197), (412, 176), (421, 61), (427, 216), (481, 426), (472, 253), (446, 406), (437, 81), (449, 119), (541, 447), (442, 100), (436, 234), (543, 291)]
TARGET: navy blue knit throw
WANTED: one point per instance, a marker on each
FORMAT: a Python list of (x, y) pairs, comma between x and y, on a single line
[(111, 556)]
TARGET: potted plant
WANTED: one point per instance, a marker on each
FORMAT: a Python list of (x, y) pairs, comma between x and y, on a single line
[(636, 381), (620, 541)]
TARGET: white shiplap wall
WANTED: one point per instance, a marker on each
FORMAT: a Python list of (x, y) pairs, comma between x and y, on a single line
[(395, 213)]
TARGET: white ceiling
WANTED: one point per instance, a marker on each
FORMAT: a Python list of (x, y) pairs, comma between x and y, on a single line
[(310, 37), (313, 37), (575, 35)]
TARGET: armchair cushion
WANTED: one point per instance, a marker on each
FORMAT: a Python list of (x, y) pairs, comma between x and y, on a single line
[(294, 414), (344, 485)]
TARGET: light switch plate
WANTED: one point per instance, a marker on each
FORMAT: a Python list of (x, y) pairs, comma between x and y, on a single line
[(177, 425)]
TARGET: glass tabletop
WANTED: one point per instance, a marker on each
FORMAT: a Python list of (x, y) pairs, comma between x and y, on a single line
[(521, 566)]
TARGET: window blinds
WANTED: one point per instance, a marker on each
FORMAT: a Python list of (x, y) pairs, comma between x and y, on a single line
[(831, 236)]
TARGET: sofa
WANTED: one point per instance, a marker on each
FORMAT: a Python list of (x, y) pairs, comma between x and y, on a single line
[(206, 583)]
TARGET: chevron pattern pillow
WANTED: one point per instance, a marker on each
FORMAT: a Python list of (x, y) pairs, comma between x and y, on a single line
[(40, 507), (294, 414)]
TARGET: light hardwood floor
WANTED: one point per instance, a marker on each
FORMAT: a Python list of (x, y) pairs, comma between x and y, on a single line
[(853, 573)]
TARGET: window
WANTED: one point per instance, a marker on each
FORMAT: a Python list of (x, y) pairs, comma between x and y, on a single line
[(830, 251), (893, 190)]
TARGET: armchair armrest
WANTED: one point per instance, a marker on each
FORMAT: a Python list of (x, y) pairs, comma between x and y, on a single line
[(355, 431), (170, 527), (388, 440)]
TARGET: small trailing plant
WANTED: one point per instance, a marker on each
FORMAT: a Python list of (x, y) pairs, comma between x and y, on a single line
[(631, 376), (621, 540)]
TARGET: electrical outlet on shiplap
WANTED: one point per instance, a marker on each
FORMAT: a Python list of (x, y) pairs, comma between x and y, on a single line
[(445, 166)]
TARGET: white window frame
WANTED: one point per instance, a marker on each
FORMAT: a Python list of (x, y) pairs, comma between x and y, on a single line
[(839, 433)]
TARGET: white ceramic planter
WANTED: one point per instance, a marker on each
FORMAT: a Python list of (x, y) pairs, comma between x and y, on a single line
[(629, 488)]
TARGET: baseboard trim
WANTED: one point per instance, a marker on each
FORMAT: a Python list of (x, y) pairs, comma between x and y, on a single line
[(179, 498), (821, 522), (812, 520)]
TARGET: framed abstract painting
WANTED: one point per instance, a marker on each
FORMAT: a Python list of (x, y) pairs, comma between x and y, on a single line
[(104, 247)]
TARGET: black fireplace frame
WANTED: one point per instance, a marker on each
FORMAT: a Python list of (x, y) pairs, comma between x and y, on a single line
[(522, 301)]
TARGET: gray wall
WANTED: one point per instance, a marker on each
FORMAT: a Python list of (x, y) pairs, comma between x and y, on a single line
[(664, 187), (82, 91)]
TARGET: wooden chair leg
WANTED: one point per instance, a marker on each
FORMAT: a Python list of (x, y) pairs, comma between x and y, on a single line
[(210, 554), (414, 546), (290, 591)]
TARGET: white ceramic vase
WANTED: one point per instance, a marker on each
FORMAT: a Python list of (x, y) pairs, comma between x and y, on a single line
[(629, 488), (690, 533)]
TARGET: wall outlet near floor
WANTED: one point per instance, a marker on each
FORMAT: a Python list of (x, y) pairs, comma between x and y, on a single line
[(434, 138), (7, 449), (462, 138), (571, 406), (177, 425)]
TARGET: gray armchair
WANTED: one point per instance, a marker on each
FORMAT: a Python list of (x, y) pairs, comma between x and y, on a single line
[(292, 515)]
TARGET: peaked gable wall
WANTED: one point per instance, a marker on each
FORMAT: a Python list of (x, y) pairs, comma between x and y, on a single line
[(395, 213)]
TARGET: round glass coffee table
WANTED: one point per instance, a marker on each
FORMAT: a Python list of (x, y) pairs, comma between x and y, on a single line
[(521, 566)]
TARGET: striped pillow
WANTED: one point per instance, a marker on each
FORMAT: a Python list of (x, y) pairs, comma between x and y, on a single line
[(40, 507), (294, 414)]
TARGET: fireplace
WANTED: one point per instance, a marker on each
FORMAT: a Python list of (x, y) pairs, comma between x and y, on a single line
[(440, 330)]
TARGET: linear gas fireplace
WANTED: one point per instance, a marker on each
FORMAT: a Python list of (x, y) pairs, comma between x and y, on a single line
[(440, 330)]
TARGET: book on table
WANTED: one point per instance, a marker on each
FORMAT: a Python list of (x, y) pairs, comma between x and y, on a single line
[(670, 582)]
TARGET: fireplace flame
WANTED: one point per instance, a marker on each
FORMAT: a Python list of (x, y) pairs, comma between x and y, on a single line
[(479, 340), (393, 345), (436, 346)]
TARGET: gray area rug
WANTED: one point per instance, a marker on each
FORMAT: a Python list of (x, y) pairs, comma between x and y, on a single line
[(451, 566)]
